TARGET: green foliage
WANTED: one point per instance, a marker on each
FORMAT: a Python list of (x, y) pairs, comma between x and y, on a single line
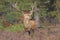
[(14, 28), (44, 0), (1, 27), (12, 16)]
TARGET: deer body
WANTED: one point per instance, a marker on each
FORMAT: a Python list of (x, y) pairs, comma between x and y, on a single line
[(28, 24), (32, 25), (26, 20)]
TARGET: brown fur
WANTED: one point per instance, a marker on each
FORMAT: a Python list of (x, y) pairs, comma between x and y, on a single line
[(32, 23), (28, 24)]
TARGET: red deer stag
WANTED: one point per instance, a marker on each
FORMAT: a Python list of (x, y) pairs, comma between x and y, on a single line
[(28, 24)]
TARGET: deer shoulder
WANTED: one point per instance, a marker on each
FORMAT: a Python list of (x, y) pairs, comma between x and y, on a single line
[(32, 23)]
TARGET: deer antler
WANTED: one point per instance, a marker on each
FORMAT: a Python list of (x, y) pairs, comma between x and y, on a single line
[(16, 7), (32, 9), (33, 6)]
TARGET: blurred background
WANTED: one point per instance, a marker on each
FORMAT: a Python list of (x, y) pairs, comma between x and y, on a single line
[(46, 13)]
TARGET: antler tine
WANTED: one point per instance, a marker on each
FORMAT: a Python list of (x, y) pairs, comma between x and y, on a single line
[(33, 6)]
